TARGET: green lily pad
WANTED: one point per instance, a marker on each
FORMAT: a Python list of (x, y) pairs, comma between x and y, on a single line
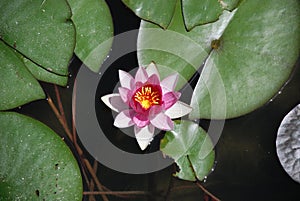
[(191, 148), (94, 31), (197, 12), (229, 4), (245, 64), (35, 162), (17, 84), (43, 75), (176, 49), (40, 30), (252, 60), (159, 12)]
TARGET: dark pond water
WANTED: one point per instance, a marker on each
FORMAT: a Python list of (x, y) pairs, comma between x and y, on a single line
[(247, 167)]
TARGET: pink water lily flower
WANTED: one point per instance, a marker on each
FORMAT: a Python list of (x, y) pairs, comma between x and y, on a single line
[(145, 102)]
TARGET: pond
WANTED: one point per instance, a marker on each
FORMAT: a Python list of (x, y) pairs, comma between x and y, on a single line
[(246, 164)]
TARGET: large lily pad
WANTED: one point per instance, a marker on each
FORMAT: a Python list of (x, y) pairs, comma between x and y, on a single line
[(229, 4), (159, 12), (197, 12), (253, 59), (94, 31), (35, 163), (17, 85), (40, 30), (176, 49), (248, 53), (191, 148)]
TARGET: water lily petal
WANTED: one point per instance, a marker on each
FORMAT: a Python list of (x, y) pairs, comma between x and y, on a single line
[(144, 135), (153, 79), (114, 102), (133, 105), (124, 119), (125, 94), (137, 86), (169, 83), (152, 70), (126, 80), (140, 120), (162, 122), (141, 75), (118, 104), (155, 109), (179, 109), (170, 99)]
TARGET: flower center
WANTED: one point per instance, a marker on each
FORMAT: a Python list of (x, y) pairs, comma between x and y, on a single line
[(148, 95)]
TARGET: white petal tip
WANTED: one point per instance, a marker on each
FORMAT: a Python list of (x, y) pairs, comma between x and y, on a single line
[(152, 69), (125, 79), (179, 109), (143, 143), (144, 136), (152, 65), (114, 102), (105, 100), (169, 83)]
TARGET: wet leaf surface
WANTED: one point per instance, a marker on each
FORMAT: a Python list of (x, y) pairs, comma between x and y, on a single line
[(35, 162), (176, 49), (248, 67), (94, 31), (159, 12), (44, 75), (17, 85), (191, 148), (244, 65), (197, 12), (40, 30)]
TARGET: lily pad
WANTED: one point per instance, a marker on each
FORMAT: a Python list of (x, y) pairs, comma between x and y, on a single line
[(176, 49), (17, 85), (288, 143), (35, 162), (43, 75), (94, 31), (229, 4), (252, 60), (197, 12), (244, 61), (40, 30), (191, 148), (159, 12)]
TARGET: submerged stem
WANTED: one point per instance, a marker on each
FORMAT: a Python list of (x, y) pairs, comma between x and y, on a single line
[(60, 118), (202, 187), (207, 192), (73, 140)]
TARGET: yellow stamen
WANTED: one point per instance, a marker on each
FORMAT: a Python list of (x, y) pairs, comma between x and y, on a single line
[(148, 96)]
